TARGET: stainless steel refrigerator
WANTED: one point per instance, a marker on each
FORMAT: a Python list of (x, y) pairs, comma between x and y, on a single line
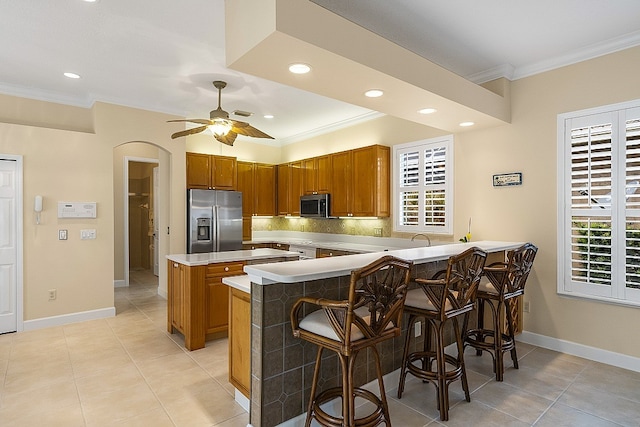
[(214, 221)]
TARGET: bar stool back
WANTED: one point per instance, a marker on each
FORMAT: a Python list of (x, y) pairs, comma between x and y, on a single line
[(371, 314), (506, 281), (449, 294)]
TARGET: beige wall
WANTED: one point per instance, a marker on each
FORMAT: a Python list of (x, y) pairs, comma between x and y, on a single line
[(529, 212), (71, 165)]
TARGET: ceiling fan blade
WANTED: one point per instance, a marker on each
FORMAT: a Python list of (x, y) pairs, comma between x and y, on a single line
[(228, 139), (244, 128), (189, 132), (198, 121)]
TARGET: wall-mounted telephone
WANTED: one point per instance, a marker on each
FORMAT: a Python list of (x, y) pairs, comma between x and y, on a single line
[(37, 207)]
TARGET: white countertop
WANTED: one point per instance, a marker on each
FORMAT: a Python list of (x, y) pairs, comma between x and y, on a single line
[(230, 256), (322, 268), (360, 244), (241, 283)]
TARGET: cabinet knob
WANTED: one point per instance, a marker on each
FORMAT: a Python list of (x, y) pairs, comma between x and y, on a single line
[(330, 253), (226, 269), (175, 265)]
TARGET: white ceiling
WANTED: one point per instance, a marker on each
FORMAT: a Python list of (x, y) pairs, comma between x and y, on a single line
[(163, 55)]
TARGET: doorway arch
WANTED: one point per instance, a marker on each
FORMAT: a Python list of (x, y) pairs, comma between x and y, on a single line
[(140, 151)]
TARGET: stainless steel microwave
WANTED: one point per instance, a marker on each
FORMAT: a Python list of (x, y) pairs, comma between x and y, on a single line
[(314, 206)]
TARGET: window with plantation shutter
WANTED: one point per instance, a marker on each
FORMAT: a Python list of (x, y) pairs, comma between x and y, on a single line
[(423, 186), (599, 203)]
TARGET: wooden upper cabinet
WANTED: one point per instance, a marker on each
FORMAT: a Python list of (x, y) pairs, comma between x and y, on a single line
[(245, 185), (264, 189), (207, 172), (341, 178), (290, 177), (198, 171), (360, 182), (316, 175), (284, 177), (224, 174), (371, 175)]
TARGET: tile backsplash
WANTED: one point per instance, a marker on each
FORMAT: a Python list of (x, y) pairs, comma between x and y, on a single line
[(380, 227)]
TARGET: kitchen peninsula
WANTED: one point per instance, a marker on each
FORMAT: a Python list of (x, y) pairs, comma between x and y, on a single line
[(198, 301), (282, 366)]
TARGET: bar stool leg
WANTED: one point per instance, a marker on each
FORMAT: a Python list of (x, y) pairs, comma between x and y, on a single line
[(514, 354), (383, 395), (460, 345), (314, 385), (480, 326), (443, 390), (497, 343), (405, 356)]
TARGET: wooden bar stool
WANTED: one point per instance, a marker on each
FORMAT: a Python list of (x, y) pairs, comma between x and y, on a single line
[(506, 281), (371, 314), (449, 294)]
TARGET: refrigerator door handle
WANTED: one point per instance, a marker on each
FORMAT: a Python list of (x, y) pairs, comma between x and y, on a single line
[(216, 230)]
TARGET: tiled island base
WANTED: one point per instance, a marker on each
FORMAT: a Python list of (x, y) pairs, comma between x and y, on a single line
[(282, 366)]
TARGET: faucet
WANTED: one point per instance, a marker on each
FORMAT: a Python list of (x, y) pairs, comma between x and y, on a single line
[(423, 235)]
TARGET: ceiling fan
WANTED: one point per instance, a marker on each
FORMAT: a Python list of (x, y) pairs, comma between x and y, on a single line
[(224, 129)]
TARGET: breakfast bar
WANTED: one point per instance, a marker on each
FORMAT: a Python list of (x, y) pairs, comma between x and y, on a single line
[(282, 366)]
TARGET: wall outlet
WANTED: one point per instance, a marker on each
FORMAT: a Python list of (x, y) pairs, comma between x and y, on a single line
[(526, 307), (417, 329), (377, 232), (53, 293), (302, 227)]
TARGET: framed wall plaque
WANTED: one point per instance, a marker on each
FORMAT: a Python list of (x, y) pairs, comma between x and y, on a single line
[(507, 179)]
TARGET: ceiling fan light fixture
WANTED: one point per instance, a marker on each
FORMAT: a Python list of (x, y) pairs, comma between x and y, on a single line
[(221, 127), (299, 68)]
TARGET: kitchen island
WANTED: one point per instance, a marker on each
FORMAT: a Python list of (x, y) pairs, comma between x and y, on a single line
[(197, 300), (282, 366)]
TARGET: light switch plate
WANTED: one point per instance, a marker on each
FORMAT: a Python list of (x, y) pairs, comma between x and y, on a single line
[(62, 234), (87, 234)]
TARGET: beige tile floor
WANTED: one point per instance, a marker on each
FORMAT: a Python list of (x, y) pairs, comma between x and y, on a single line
[(128, 371)]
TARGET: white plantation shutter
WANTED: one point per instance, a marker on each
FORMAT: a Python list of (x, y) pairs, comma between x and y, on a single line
[(423, 186), (599, 232)]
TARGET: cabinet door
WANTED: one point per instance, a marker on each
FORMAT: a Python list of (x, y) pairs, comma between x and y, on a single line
[(217, 316), (176, 288), (246, 228), (309, 176), (223, 173), (371, 181), (240, 341), (341, 183), (264, 189), (245, 185), (295, 190), (323, 174), (198, 171), (284, 177)]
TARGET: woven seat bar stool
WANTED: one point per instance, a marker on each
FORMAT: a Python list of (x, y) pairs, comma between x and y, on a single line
[(371, 314), (506, 281), (446, 296)]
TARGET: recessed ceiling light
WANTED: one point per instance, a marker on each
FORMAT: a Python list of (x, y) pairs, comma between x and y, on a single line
[(268, 116), (427, 111), (373, 93), (299, 68), (91, 1), (72, 75), (466, 124)]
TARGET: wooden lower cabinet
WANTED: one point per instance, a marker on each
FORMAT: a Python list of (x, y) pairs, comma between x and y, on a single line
[(198, 301), (240, 341)]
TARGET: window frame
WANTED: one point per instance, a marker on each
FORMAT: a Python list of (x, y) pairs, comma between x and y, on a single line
[(617, 292), (445, 142)]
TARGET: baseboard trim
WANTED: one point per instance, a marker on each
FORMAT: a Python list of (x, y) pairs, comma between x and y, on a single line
[(65, 319), (580, 350), (119, 284)]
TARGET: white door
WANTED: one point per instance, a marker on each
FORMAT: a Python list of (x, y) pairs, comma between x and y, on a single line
[(156, 243), (8, 247)]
